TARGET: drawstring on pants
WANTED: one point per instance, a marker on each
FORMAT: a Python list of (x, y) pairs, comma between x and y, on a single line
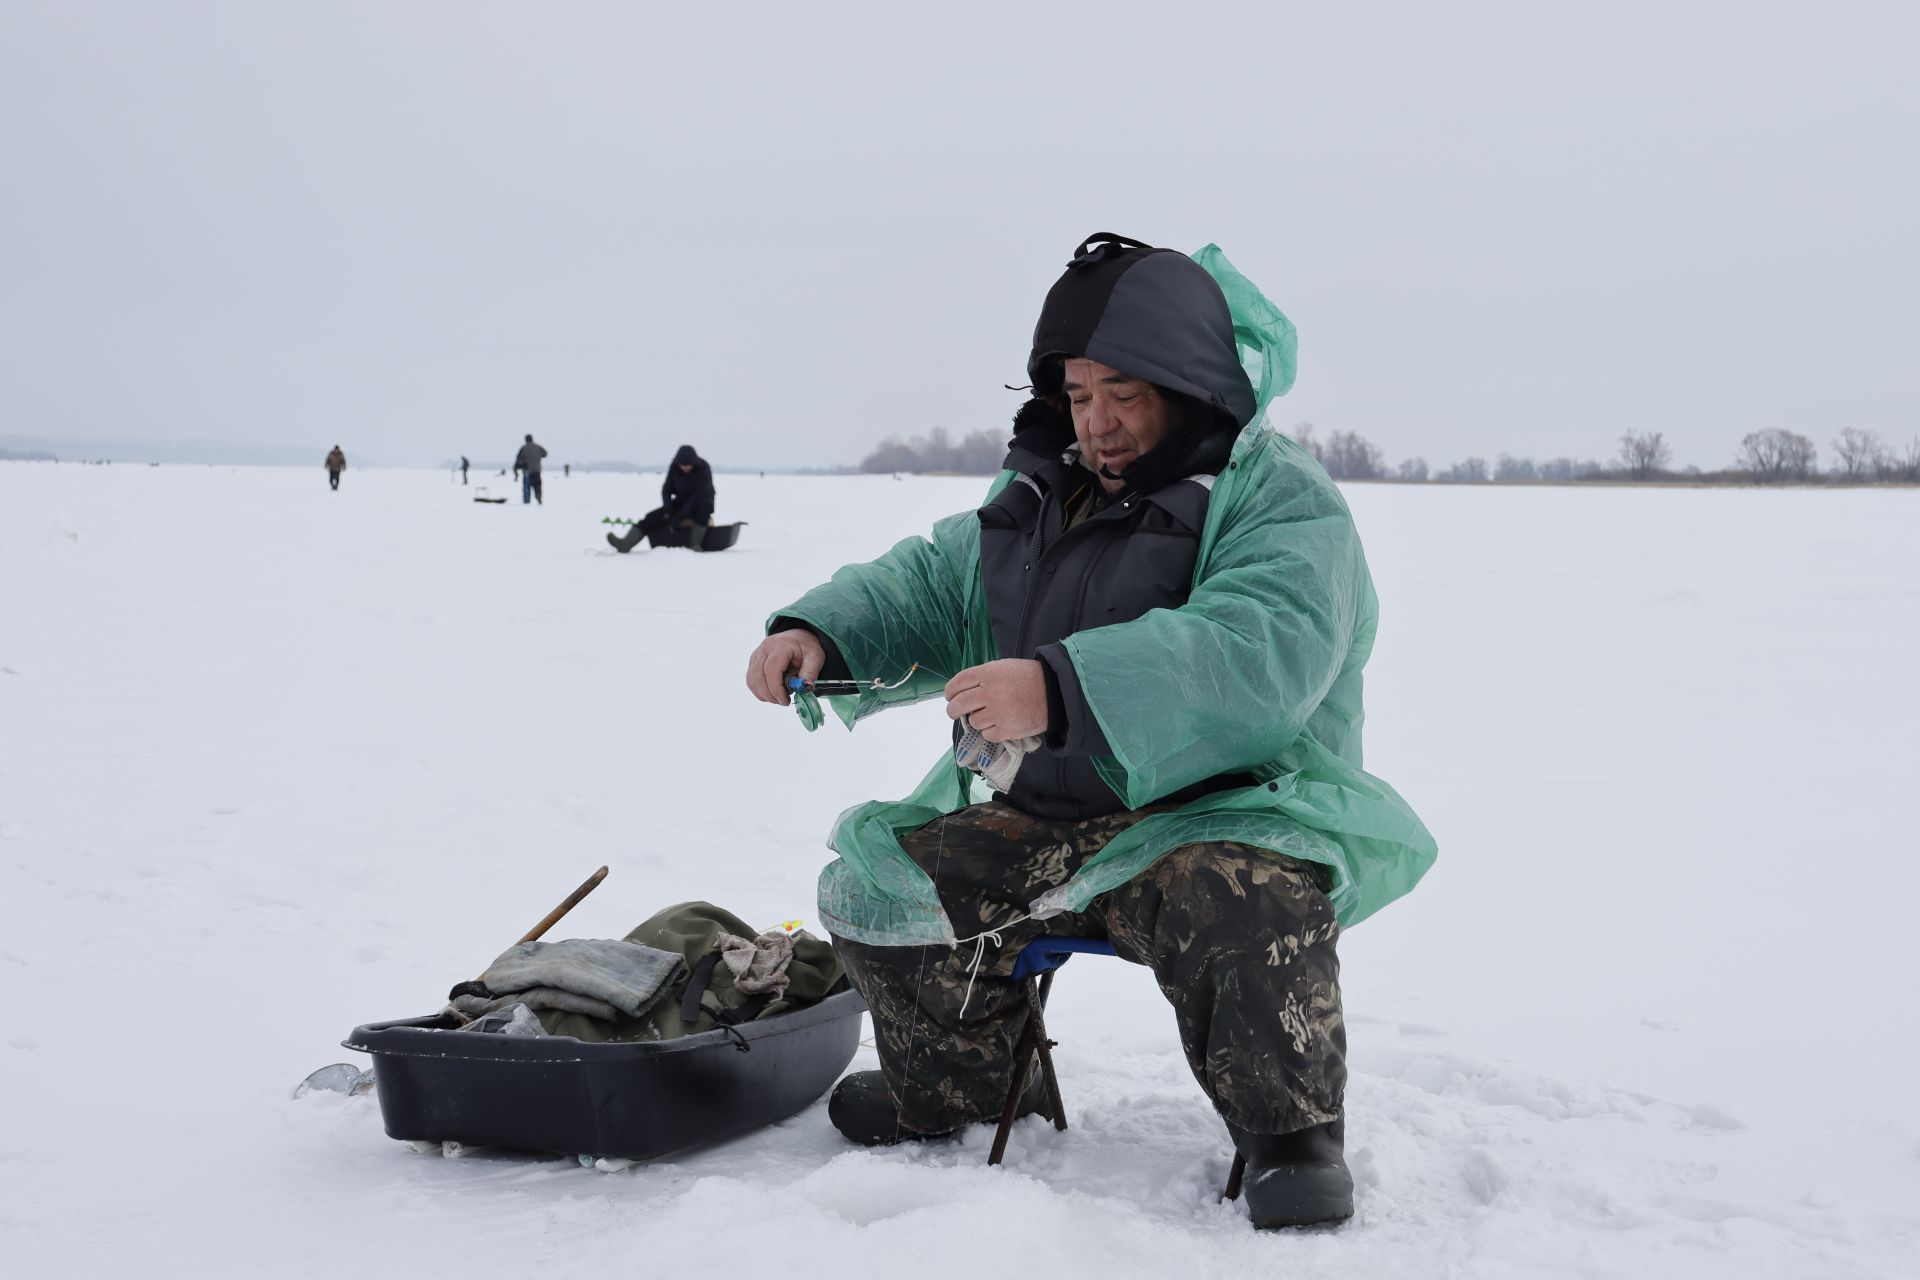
[(979, 941)]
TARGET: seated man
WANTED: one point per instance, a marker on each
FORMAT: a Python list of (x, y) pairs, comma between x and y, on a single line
[(1158, 622), (686, 501)]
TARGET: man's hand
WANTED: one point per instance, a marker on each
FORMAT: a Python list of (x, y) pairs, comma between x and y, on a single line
[(1006, 699), (797, 652)]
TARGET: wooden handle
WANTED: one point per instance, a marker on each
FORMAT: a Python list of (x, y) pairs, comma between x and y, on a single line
[(573, 900)]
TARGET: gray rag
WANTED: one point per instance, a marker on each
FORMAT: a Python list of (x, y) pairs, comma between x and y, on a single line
[(600, 977), (760, 964), (997, 762)]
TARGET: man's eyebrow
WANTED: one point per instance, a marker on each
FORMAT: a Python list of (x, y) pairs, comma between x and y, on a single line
[(1112, 379)]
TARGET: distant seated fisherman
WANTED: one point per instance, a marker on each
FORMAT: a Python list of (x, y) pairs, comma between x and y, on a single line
[(686, 501), (1158, 620)]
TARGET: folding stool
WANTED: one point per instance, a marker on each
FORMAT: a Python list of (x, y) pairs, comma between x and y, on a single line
[(1035, 966)]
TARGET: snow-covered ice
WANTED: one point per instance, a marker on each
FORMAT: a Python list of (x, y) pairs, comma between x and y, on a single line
[(276, 761)]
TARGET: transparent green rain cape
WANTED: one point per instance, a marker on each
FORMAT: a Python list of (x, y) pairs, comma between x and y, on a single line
[(1262, 664)]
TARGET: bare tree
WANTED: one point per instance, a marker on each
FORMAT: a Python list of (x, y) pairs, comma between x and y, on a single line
[(1349, 456), (1303, 436), (1761, 454), (892, 454), (1777, 454), (1471, 471), (1908, 463), (1511, 470), (1644, 453), (937, 451), (1802, 461), (981, 453), (1857, 452), (1561, 470), (1413, 470)]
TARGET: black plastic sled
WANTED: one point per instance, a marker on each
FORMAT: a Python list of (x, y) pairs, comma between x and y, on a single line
[(713, 537), (636, 1099)]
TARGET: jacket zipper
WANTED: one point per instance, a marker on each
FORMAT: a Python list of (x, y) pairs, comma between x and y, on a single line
[(1039, 555)]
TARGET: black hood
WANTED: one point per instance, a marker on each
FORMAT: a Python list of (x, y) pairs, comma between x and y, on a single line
[(687, 455), (1151, 313)]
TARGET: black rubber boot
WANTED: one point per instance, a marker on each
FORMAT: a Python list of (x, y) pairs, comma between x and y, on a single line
[(1296, 1179), (625, 542), (862, 1110)]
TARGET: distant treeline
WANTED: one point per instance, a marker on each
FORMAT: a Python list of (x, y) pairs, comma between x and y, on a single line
[(1772, 456), (978, 454), (28, 455)]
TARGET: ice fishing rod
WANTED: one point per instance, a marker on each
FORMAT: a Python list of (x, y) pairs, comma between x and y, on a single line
[(838, 688), (829, 688), (844, 688)]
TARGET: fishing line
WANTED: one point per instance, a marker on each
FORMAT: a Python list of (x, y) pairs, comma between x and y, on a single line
[(842, 688)]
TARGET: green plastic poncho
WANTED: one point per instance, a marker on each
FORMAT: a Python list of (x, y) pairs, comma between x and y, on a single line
[(1260, 671)]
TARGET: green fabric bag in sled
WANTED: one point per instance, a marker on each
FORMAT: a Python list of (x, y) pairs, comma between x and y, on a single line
[(1283, 686)]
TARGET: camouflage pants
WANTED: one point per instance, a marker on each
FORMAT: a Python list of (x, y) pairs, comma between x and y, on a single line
[(1241, 942)]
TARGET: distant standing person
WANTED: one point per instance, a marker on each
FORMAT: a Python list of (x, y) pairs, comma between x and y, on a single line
[(336, 463), (526, 465), (686, 500), (463, 468)]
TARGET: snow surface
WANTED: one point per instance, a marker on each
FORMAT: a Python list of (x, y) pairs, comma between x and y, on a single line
[(276, 761)]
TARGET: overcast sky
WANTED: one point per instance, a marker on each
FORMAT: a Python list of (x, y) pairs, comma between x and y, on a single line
[(781, 232)]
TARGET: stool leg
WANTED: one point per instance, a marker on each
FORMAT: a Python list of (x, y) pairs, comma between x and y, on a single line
[(1233, 1177), (1022, 1059), (1037, 1026)]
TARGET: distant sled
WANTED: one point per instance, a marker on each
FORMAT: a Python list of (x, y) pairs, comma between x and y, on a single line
[(480, 494), (713, 537)]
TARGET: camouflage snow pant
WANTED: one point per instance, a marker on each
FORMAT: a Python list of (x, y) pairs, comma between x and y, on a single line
[(1241, 942)]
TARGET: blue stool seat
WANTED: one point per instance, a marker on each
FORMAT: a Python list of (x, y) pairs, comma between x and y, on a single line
[(1044, 955)]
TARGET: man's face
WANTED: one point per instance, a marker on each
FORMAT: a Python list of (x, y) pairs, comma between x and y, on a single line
[(1116, 418), (686, 466)]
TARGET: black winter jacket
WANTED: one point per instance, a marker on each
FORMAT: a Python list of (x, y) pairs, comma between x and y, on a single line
[(1044, 582), (688, 495)]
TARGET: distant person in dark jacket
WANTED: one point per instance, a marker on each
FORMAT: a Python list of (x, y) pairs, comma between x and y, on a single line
[(526, 465), (336, 463), (463, 468), (686, 501)]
